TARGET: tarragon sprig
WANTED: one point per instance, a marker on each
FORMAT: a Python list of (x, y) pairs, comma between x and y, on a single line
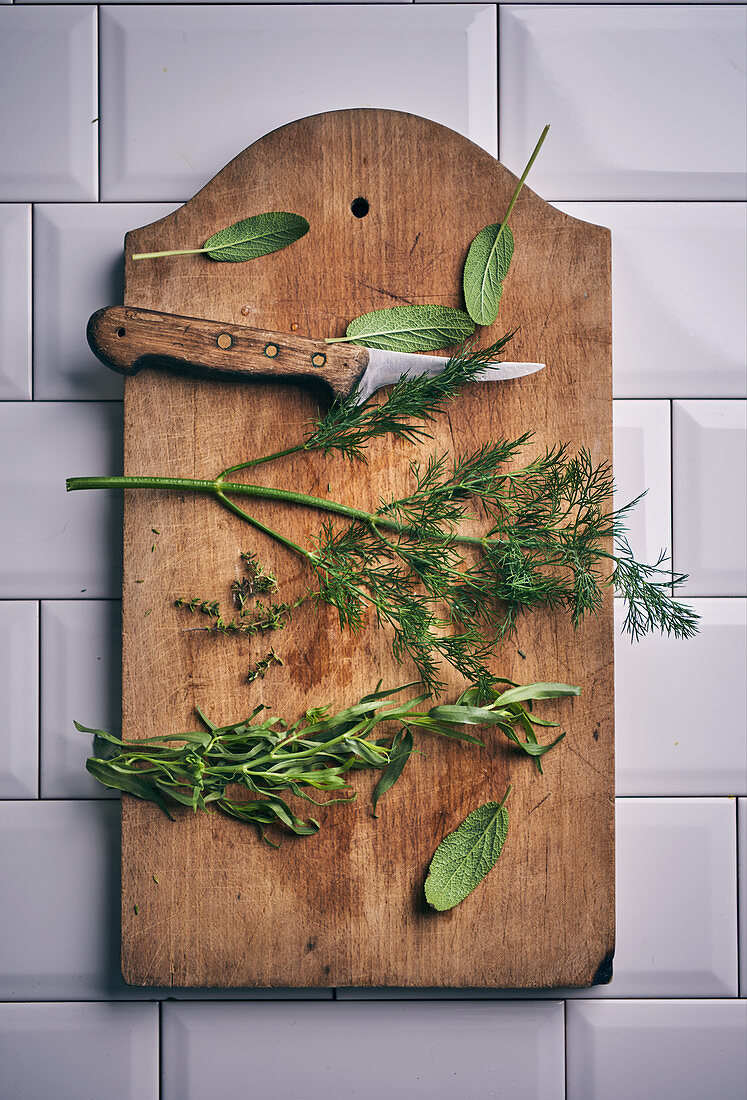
[(265, 756)]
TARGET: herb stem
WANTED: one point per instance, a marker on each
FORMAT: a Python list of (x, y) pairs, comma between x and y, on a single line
[(521, 182), (171, 252), (262, 492)]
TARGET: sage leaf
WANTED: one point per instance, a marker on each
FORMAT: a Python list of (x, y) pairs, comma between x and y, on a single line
[(464, 857), (489, 258), (256, 236), (409, 328), (398, 757), (485, 268), (247, 239)]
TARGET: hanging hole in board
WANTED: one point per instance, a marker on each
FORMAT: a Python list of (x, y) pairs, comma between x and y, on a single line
[(359, 207), (121, 332)]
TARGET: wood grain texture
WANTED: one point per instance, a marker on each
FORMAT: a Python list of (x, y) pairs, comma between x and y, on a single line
[(128, 339), (346, 907)]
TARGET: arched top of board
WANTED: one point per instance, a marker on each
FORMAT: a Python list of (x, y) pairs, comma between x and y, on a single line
[(393, 201)]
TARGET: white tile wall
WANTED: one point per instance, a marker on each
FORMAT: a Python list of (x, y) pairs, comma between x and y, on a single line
[(667, 710), (71, 1051), (709, 441), (366, 1050), (616, 84), (687, 1049), (643, 464), (49, 121), (647, 110), (79, 267), (15, 302), (680, 274), (81, 652), (742, 876), (53, 543), (19, 689), (173, 112)]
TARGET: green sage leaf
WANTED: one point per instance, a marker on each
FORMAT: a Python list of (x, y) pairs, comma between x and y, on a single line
[(409, 328), (485, 268), (400, 754), (464, 857), (256, 236)]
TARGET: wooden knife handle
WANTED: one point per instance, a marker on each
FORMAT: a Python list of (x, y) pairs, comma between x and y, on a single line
[(126, 339)]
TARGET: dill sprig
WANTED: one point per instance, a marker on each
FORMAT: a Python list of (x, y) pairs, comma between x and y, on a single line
[(265, 756), (350, 423), (447, 596)]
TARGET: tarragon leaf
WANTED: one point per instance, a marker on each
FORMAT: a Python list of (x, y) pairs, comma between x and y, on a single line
[(256, 236), (400, 754), (409, 328), (464, 857), (485, 268)]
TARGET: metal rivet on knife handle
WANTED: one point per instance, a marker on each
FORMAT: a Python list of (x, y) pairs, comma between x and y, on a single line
[(319, 359), (271, 350)]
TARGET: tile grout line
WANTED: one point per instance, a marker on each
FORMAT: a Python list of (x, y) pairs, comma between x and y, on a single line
[(671, 491), (565, 1048), (38, 698), (32, 303), (98, 103), (741, 992)]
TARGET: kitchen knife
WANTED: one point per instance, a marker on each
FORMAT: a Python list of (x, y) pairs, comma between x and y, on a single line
[(126, 339)]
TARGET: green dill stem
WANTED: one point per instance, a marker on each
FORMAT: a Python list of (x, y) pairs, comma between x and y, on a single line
[(264, 458), (261, 526), (262, 492)]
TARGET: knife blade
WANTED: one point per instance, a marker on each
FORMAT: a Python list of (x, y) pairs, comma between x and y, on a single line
[(127, 339)]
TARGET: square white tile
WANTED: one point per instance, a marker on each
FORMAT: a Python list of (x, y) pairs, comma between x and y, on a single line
[(174, 112), (56, 544), (676, 896), (78, 267), (742, 877), (643, 464), (60, 904), (676, 907), (81, 653), (671, 694), (390, 1051), (687, 1049), (79, 1050), (15, 302), (49, 122), (617, 84), (710, 496), (19, 690), (679, 285)]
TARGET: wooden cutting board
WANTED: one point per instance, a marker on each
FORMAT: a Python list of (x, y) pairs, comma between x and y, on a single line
[(204, 902)]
